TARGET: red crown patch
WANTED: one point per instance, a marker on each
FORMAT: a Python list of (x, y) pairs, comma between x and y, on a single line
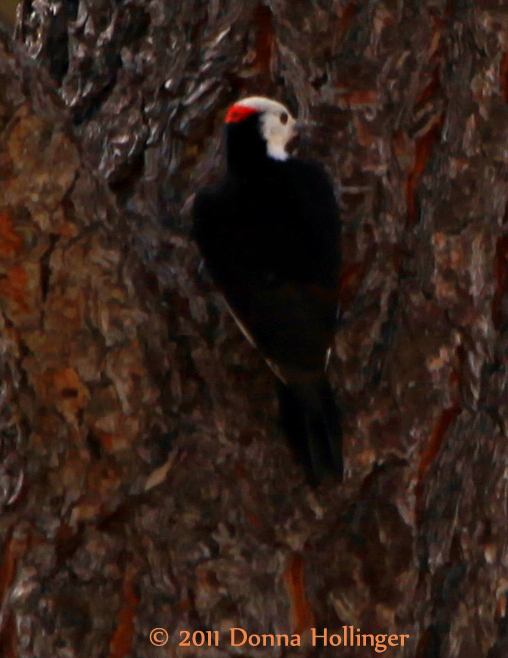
[(237, 113)]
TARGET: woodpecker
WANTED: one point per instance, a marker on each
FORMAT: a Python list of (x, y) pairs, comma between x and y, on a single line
[(269, 235)]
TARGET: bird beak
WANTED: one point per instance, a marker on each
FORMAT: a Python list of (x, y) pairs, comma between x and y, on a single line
[(292, 145)]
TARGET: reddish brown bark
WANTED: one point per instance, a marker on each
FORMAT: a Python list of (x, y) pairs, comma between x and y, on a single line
[(144, 481)]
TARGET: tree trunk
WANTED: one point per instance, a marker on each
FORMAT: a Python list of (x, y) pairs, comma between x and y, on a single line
[(144, 480)]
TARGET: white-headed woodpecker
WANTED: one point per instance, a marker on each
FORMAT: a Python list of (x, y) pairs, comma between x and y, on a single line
[(269, 234)]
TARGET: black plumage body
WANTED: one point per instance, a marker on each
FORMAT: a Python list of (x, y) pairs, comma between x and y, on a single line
[(269, 235)]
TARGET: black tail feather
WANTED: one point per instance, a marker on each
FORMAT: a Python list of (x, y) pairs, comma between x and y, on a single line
[(312, 422)]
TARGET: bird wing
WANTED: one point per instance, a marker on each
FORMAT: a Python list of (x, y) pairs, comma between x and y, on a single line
[(271, 245)]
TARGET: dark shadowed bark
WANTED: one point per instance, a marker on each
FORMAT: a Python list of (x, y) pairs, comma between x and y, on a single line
[(144, 481)]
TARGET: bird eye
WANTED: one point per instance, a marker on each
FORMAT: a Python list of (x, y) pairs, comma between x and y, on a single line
[(284, 118)]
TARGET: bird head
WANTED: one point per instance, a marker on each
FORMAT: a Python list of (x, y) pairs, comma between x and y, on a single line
[(259, 127)]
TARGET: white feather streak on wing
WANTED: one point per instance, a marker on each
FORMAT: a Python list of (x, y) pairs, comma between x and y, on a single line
[(327, 360), (329, 350), (245, 331), (273, 367)]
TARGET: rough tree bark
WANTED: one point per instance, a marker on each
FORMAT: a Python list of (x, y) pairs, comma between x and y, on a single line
[(144, 480)]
